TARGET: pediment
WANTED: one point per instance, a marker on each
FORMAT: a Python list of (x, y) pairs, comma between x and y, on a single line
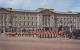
[(3, 10), (46, 11)]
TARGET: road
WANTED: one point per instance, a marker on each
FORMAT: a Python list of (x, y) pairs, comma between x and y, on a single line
[(34, 43)]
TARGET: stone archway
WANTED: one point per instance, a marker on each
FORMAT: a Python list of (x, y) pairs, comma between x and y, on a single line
[(14, 29), (24, 30)]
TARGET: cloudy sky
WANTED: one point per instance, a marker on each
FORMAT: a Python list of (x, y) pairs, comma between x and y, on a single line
[(58, 5)]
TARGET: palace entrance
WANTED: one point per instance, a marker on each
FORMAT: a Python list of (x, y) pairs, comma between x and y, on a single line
[(48, 28)]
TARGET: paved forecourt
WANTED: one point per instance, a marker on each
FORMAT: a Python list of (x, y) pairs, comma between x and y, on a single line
[(34, 43)]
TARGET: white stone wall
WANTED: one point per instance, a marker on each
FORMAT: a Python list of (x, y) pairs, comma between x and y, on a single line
[(68, 20)]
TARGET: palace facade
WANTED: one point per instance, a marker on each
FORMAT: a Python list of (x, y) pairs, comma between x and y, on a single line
[(41, 18)]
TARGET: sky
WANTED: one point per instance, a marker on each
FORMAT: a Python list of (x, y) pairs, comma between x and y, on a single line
[(57, 5)]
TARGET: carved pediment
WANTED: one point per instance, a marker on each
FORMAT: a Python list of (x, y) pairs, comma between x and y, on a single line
[(46, 11)]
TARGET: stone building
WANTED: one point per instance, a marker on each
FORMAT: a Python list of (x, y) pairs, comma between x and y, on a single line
[(69, 20), (41, 18)]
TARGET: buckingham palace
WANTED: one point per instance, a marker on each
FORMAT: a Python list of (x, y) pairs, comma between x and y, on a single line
[(41, 18)]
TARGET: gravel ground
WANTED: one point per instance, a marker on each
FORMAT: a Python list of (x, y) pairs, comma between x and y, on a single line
[(34, 43)]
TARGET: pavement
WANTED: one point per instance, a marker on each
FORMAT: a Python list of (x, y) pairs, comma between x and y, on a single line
[(34, 43)]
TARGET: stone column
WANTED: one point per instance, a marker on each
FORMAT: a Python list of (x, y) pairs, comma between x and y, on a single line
[(21, 30), (76, 23), (3, 24), (38, 19), (3, 29), (44, 20), (50, 20), (0, 19), (47, 21), (0, 23), (70, 28)]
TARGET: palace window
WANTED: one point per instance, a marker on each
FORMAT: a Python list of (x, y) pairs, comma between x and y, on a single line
[(67, 23), (36, 23), (32, 23), (20, 23), (32, 18), (36, 18), (64, 23), (24, 23), (15, 17), (57, 19), (28, 18), (15, 23), (52, 17), (67, 19), (61, 22), (28, 23), (20, 18), (49, 24), (70, 19), (64, 19), (24, 18), (61, 19)]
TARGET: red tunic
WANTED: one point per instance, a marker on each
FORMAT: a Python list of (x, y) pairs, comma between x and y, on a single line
[(48, 32), (51, 32), (45, 32), (28, 32), (40, 32)]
